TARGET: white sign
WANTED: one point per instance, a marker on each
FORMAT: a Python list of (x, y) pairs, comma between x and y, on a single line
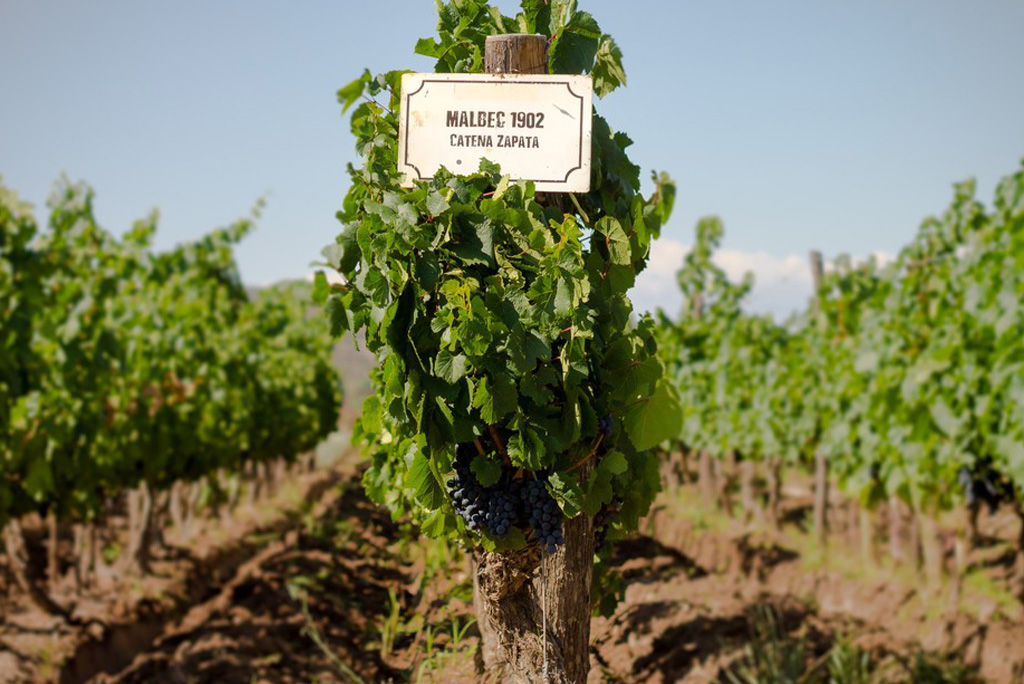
[(537, 127)]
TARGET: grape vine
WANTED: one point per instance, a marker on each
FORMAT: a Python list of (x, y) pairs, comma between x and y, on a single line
[(907, 376), (508, 354), (122, 365)]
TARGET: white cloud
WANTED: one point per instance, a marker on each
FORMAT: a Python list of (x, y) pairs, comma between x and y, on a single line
[(333, 277), (782, 285)]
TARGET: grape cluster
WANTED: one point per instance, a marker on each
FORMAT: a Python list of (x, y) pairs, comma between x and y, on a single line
[(542, 515), (468, 497), (980, 487), (603, 517), (509, 503), (605, 425), (502, 512)]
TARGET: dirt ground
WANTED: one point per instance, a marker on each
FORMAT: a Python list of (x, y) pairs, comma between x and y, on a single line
[(330, 589), (116, 617)]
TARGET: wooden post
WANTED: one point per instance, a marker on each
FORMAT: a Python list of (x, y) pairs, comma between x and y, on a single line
[(820, 463), (19, 566), (140, 522), (817, 275), (725, 478), (774, 477), (507, 587), (706, 480), (698, 305), (706, 466), (516, 53), (753, 511), (52, 548), (1017, 581), (866, 528), (931, 546), (897, 549)]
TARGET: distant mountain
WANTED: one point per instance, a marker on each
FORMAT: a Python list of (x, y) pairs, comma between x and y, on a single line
[(355, 367)]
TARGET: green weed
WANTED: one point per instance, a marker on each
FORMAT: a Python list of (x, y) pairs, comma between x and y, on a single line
[(774, 657), (298, 590)]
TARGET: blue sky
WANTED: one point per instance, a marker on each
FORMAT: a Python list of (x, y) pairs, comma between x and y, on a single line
[(803, 124)]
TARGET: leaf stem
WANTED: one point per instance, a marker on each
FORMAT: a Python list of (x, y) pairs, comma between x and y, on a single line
[(498, 444), (630, 405), (583, 214), (579, 463), (370, 99)]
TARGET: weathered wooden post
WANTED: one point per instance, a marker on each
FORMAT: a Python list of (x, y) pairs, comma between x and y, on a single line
[(512, 600), (820, 462), (516, 53)]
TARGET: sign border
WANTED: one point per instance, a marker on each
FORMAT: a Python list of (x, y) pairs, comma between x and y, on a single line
[(511, 79)]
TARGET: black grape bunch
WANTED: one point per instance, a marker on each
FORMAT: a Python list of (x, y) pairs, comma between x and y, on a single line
[(468, 496), (502, 512), (542, 515), (508, 504), (605, 425), (981, 486)]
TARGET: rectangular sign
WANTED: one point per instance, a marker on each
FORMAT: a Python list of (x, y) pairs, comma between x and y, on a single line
[(537, 127)]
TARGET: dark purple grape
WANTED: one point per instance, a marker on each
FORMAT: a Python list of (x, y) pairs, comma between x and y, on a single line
[(508, 504)]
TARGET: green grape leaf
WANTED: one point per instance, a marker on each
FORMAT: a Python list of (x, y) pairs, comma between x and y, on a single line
[(420, 479), (487, 471), (654, 419)]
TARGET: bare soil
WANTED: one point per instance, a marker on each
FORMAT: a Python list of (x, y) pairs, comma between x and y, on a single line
[(117, 616), (333, 590)]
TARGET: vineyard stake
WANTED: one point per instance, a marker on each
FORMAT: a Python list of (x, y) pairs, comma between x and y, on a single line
[(820, 462)]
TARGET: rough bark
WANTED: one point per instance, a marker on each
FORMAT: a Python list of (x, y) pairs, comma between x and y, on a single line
[(866, 527), (195, 493), (752, 509), (851, 509), (673, 469), (821, 498), (140, 519), (916, 554), (706, 479), (269, 481), (231, 494), (961, 554), (1018, 574), (568, 592), (516, 53), (21, 570), (725, 477), (897, 551), (234, 492), (821, 484), (85, 554), (508, 592), (158, 520), (52, 548), (177, 506), (932, 550), (255, 483), (973, 512), (774, 477), (79, 564), (508, 614)]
